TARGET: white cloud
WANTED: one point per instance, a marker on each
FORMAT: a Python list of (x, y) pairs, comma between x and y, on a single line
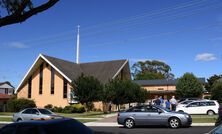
[(18, 45), (205, 57)]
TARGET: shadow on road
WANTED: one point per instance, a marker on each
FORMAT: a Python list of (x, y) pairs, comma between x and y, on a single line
[(102, 132)]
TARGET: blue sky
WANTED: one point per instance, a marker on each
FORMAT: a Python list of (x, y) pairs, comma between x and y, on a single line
[(186, 34)]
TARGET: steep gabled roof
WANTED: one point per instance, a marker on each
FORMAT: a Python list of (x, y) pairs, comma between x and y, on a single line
[(103, 71), (70, 69)]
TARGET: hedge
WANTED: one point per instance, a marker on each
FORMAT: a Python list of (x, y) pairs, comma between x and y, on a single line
[(16, 105)]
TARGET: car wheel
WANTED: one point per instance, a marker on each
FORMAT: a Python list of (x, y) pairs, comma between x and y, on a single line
[(174, 122), (19, 120), (210, 112), (129, 123)]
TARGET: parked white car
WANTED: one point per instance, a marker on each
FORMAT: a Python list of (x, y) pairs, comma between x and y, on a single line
[(209, 107), (184, 103)]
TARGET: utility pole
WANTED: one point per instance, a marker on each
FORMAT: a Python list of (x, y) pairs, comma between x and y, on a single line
[(77, 46)]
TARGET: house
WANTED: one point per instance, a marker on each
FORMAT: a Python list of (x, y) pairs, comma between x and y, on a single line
[(6, 90), (163, 87), (48, 81)]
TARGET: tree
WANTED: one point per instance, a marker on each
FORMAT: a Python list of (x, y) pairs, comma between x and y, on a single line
[(17, 11), (149, 70), (87, 89), (217, 91), (188, 86), (123, 92), (210, 82)]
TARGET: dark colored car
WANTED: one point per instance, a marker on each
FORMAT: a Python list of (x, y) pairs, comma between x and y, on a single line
[(56, 126), (153, 115), (217, 130), (220, 111), (219, 119)]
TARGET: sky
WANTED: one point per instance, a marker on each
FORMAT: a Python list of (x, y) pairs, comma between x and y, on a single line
[(185, 34)]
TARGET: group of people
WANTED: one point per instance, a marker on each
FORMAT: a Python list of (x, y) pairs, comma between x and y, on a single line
[(166, 103)]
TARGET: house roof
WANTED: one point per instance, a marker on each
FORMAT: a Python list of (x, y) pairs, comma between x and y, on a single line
[(103, 70), (9, 85), (162, 82)]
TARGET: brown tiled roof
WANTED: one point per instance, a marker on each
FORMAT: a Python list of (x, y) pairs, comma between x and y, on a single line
[(103, 71)]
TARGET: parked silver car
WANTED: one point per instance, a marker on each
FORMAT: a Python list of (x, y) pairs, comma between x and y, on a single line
[(153, 115), (34, 114)]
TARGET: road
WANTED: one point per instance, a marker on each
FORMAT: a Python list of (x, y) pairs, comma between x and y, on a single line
[(148, 130), (151, 130)]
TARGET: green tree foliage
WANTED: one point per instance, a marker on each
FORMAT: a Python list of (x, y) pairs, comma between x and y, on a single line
[(217, 91), (210, 82), (87, 89), (16, 105), (188, 86), (149, 70), (17, 11), (123, 92)]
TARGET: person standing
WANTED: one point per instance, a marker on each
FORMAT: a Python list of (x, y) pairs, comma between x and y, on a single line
[(173, 103), (157, 101), (167, 104), (161, 101)]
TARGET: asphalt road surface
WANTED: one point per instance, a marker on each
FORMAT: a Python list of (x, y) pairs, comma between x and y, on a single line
[(151, 130), (148, 130)]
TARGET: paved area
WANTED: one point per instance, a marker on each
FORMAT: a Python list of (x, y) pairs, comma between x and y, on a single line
[(150, 130), (109, 119)]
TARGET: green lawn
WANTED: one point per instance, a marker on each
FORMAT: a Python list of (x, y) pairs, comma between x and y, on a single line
[(204, 116), (204, 120), (6, 113), (74, 115), (8, 119), (84, 115)]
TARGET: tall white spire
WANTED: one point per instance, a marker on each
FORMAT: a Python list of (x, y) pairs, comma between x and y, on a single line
[(77, 46)]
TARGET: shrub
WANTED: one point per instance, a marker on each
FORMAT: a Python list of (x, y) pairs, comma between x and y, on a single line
[(57, 109), (216, 92), (79, 108), (68, 109), (207, 97), (49, 106), (75, 108), (16, 105)]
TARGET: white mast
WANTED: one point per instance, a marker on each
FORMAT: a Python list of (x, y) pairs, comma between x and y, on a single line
[(77, 47)]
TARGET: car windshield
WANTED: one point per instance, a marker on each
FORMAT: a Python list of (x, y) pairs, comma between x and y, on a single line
[(45, 111), (165, 109), (185, 102)]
